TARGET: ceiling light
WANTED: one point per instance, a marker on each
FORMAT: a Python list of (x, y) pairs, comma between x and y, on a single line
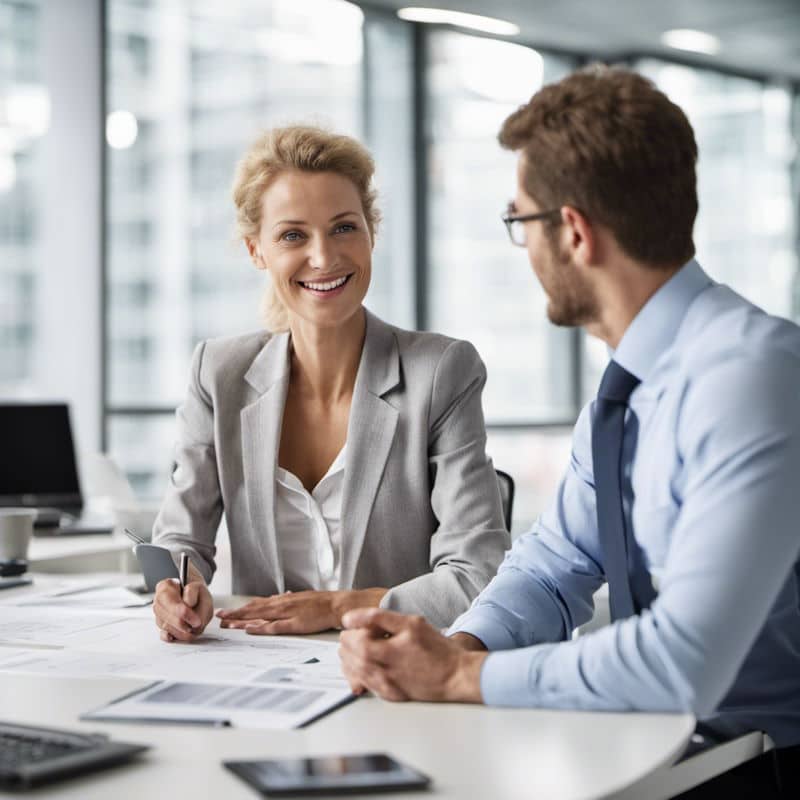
[(121, 129), (441, 16), (329, 33), (695, 41), (498, 71)]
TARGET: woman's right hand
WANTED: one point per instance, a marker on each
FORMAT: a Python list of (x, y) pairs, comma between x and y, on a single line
[(182, 618)]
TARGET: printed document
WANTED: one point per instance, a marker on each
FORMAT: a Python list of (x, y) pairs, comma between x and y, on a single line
[(269, 706), (243, 680)]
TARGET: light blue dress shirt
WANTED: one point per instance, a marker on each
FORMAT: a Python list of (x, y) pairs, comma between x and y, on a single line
[(711, 462)]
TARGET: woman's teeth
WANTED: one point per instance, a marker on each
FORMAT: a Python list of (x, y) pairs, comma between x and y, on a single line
[(324, 287)]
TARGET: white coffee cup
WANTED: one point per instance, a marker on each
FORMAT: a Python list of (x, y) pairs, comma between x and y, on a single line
[(16, 529)]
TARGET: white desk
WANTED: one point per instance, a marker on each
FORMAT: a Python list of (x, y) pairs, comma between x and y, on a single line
[(469, 751), (86, 553)]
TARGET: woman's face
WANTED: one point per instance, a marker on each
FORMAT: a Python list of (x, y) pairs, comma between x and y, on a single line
[(316, 245)]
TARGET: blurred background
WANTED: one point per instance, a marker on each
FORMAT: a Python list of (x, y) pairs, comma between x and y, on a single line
[(121, 122)]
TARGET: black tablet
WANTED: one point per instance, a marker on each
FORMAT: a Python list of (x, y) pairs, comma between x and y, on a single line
[(296, 777)]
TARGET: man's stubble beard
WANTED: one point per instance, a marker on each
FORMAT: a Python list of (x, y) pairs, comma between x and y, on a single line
[(571, 300)]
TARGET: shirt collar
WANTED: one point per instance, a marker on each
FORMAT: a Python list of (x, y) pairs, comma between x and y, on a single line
[(654, 328)]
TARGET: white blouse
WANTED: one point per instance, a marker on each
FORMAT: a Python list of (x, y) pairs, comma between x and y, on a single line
[(309, 528)]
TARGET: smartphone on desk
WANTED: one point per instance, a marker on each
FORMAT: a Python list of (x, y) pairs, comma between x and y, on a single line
[(352, 774)]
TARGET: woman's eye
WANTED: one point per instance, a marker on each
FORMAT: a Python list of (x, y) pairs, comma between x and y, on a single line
[(291, 236), (344, 227)]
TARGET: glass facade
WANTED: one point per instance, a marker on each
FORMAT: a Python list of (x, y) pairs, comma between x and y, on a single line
[(190, 83), (220, 74), (24, 112), (142, 448), (535, 459), (481, 287), (747, 226)]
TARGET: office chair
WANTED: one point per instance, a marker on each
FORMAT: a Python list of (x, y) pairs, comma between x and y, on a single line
[(506, 485)]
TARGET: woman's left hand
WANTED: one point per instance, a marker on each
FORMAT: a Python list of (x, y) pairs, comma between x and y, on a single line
[(298, 612)]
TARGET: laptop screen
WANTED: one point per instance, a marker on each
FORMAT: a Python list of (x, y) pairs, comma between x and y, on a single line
[(38, 466)]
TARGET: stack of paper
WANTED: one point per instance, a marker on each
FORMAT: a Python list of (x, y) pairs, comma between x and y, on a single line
[(252, 681)]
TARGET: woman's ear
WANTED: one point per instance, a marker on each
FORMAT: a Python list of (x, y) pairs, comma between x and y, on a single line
[(254, 249)]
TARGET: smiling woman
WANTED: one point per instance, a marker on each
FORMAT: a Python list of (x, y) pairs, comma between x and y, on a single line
[(347, 455), (307, 171), (318, 248)]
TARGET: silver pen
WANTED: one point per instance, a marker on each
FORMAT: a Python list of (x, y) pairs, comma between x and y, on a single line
[(133, 536), (183, 571)]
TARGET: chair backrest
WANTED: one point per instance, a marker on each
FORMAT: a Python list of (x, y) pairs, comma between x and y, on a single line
[(506, 485)]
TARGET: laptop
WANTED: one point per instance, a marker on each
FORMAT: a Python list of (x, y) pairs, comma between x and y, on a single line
[(39, 469)]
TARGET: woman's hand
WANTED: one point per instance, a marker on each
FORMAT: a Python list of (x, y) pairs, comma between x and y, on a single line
[(182, 617), (298, 612)]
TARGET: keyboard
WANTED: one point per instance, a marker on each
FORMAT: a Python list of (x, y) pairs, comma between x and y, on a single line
[(30, 756)]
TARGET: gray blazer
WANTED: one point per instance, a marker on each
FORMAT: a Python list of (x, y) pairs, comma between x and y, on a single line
[(420, 509)]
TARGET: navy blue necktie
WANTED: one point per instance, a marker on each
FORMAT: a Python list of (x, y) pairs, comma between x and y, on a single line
[(629, 586)]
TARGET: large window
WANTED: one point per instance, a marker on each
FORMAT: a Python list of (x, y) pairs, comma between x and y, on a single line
[(191, 84), (746, 229), (745, 232), (481, 288), (23, 121)]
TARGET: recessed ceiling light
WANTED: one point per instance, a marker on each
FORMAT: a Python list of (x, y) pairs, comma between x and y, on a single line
[(441, 16), (695, 41)]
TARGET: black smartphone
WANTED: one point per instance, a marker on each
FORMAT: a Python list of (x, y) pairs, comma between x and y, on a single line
[(352, 774)]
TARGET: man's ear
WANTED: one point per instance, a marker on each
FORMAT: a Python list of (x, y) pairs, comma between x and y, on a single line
[(254, 249), (581, 237)]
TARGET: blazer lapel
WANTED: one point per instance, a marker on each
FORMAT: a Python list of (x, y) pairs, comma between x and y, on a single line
[(370, 432), (261, 435)]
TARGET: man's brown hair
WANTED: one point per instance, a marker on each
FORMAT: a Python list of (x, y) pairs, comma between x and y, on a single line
[(607, 142)]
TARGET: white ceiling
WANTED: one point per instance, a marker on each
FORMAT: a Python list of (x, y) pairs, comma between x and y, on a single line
[(761, 37)]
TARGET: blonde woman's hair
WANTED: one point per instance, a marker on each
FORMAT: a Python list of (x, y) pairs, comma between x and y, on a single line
[(309, 149)]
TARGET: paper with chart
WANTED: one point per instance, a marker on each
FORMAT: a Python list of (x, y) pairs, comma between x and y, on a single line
[(90, 644), (270, 706)]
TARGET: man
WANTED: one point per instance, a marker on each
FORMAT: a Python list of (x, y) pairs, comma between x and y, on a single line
[(685, 471)]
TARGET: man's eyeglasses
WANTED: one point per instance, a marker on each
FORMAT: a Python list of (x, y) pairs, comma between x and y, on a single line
[(515, 224)]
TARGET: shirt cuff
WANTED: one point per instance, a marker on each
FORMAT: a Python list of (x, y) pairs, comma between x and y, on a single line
[(506, 676), (481, 623)]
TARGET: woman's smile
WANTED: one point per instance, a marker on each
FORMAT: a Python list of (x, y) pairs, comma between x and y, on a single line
[(329, 288)]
